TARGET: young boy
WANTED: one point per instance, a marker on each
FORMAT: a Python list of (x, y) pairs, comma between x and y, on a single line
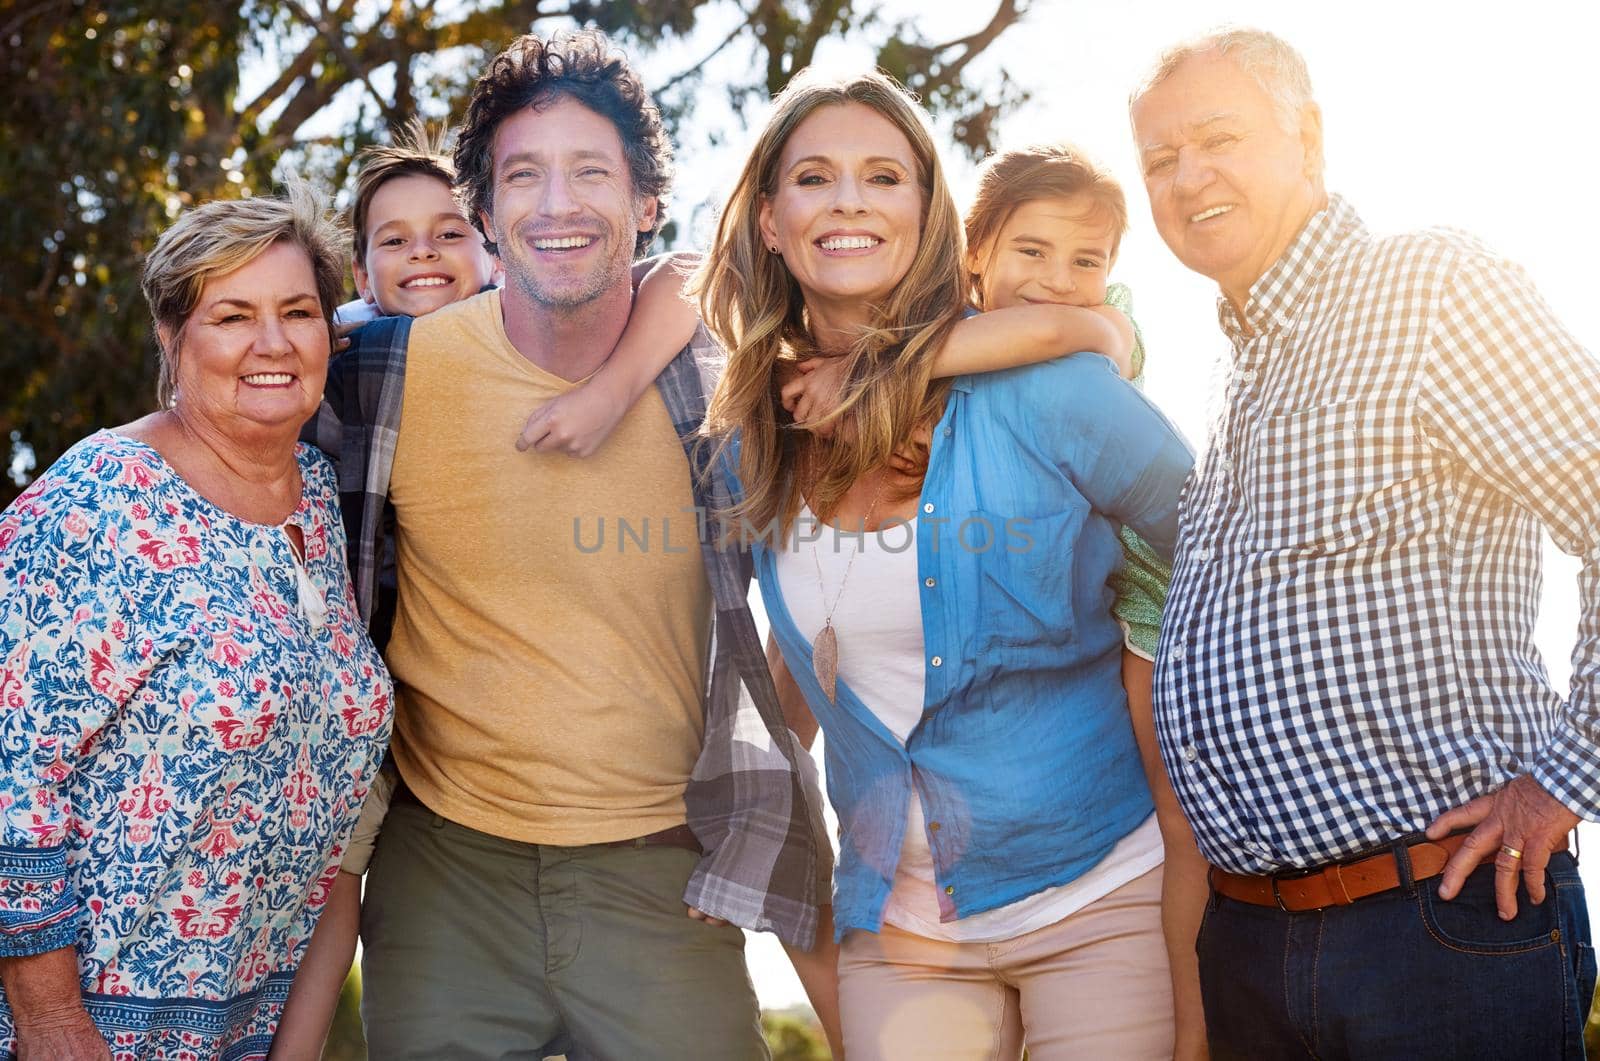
[(413, 251), (414, 248)]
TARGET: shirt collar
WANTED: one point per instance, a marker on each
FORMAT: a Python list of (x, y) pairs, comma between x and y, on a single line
[(1275, 298)]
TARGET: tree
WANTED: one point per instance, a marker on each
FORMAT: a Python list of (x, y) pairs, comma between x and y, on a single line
[(119, 115)]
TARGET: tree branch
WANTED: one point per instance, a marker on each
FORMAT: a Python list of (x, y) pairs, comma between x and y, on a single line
[(335, 42), (300, 67), (822, 21), (1006, 13), (749, 18)]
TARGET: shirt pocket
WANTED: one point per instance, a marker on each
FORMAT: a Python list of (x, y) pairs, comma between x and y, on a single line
[(1326, 479), (1024, 582)]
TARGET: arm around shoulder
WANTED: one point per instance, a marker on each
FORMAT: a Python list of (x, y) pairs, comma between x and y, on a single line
[(1025, 335)]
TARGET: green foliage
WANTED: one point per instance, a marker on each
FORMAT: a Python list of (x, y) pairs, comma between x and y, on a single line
[(116, 116), (346, 1042), (794, 1035)]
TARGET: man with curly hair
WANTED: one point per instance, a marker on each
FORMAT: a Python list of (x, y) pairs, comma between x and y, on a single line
[(596, 784)]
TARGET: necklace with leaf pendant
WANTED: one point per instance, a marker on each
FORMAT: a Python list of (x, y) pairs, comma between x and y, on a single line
[(825, 646)]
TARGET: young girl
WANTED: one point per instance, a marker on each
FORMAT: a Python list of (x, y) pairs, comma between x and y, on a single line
[(1046, 225)]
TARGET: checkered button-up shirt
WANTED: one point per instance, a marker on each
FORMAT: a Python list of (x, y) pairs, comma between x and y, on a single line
[(1348, 645)]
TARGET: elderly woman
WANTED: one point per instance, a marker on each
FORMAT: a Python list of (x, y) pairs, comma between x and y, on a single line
[(999, 876), (192, 711)]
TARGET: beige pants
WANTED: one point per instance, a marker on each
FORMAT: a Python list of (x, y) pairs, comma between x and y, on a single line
[(1092, 985)]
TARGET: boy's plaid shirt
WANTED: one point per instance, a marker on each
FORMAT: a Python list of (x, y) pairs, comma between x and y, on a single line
[(767, 864), (1348, 644)]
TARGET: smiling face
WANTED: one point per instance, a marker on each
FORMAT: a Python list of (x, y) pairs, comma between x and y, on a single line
[(1229, 186), (421, 251), (846, 214), (1048, 250), (565, 214), (253, 356)]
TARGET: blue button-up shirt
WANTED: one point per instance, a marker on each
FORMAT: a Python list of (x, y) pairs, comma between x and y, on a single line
[(1024, 758)]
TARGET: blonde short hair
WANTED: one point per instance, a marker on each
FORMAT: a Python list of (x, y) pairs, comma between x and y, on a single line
[(219, 237)]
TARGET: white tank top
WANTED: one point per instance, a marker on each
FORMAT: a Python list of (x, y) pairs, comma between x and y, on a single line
[(878, 622)]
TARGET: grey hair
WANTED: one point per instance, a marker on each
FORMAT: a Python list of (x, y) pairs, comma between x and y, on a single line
[(1265, 58)]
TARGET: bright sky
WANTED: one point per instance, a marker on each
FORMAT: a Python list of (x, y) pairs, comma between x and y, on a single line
[(1435, 113)]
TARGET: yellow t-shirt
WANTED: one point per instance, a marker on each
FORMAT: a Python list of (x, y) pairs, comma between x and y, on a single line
[(550, 643)]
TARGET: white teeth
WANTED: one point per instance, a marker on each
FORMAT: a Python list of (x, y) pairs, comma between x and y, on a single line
[(849, 243), (269, 379), (426, 281), (564, 243), (1205, 215)]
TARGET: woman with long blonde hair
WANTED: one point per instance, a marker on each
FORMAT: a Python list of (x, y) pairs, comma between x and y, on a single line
[(950, 630)]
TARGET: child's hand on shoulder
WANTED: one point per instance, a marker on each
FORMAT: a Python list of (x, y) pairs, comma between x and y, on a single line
[(341, 334), (576, 423), (1121, 353)]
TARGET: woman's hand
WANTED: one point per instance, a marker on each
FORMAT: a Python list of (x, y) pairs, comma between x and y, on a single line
[(910, 459), (76, 1039), (814, 393), (47, 1006)]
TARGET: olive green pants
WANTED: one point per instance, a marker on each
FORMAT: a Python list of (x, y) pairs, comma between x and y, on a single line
[(480, 947)]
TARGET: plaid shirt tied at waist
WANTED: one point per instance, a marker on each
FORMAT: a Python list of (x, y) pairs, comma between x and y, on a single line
[(767, 864), (1348, 645)]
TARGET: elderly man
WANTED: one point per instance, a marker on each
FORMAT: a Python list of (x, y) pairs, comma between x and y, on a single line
[(1347, 658), (581, 789)]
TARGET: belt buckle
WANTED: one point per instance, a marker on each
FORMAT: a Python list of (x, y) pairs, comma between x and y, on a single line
[(1277, 896)]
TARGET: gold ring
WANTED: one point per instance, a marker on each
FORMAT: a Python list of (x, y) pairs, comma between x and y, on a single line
[(1507, 849)]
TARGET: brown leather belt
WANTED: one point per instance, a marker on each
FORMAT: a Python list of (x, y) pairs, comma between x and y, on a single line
[(1340, 884), (672, 836)]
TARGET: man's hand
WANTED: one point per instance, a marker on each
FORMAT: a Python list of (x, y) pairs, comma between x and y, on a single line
[(700, 915), (1519, 819)]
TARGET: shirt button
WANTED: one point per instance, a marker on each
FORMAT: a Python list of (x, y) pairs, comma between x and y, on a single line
[(933, 826), (1180, 649), (928, 582), (1248, 375), (937, 661), (949, 889), (1190, 753), (928, 507), (947, 432), (1227, 464), (1203, 555)]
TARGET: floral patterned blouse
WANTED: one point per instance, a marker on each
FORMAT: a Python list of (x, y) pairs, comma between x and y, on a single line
[(189, 721)]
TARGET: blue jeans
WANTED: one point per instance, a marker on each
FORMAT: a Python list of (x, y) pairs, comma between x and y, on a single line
[(1402, 974)]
